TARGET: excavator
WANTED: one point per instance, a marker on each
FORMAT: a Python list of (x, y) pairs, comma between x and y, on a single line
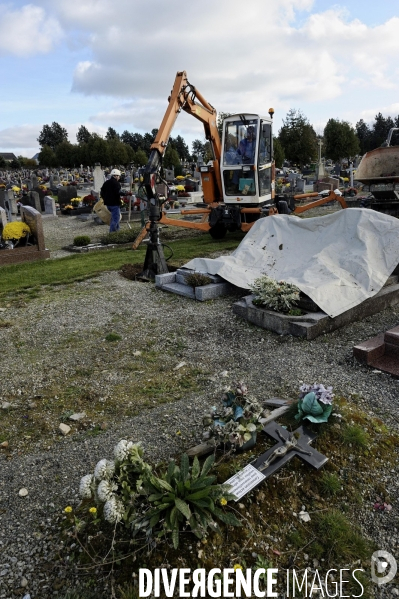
[(238, 184)]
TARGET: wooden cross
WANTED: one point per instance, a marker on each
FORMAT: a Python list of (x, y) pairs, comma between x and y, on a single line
[(288, 446)]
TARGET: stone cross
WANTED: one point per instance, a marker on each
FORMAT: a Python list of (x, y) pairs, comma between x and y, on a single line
[(99, 177), (288, 446)]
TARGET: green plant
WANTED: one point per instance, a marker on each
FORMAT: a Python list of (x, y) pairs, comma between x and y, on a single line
[(112, 337), (197, 279), (315, 403), (81, 240), (355, 435), (340, 540), (275, 295), (187, 498), (330, 483), (122, 236)]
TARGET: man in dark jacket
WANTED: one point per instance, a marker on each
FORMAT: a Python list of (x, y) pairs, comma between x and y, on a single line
[(111, 194)]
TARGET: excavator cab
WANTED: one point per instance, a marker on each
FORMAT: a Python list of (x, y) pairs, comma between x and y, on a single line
[(246, 164)]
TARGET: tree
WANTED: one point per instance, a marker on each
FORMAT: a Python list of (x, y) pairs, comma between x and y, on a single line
[(15, 164), (98, 150), (83, 135), (340, 140), (298, 138), (117, 152), (198, 148), (381, 129), (3, 163), (278, 151), (111, 134), (140, 158), (182, 148), (171, 157), (65, 154), (52, 135), (26, 162), (364, 135), (47, 157)]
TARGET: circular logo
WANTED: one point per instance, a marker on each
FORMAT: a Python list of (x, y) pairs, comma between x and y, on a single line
[(383, 567)]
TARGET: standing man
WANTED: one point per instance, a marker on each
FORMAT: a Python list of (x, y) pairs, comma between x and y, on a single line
[(111, 194)]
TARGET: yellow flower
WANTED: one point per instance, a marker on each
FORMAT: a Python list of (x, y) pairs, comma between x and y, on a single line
[(68, 509), (237, 567), (223, 501), (178, 433), (15, 230), (93, 510)]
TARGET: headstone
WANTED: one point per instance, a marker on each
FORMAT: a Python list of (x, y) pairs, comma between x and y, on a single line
[(99, 177), (33, 219), (35, 181), (49, 206), (288, 446), (54, 181), (11, 206), (28, 183), (65, 194), (2, 197), (3, 217), (36, 200)]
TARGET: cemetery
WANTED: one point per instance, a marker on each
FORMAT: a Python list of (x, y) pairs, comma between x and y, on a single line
[(180, 422)]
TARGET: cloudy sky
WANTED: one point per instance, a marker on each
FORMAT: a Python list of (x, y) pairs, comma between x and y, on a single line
[(102, 63)]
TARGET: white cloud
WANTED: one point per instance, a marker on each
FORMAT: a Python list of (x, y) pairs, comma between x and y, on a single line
[(27, 31)]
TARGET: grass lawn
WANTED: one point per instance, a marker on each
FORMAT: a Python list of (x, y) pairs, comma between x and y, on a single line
[(77, 267)]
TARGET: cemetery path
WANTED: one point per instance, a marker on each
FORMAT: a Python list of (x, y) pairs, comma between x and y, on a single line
[(111, 348)]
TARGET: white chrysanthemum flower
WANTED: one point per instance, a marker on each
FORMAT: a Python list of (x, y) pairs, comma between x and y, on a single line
[(85, 490), (122, 450), (113, 510), (104, 469), (105, 490)]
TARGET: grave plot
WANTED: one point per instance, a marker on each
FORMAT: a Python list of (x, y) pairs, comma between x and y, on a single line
[(27, 253), (381, 352), (315, 322)]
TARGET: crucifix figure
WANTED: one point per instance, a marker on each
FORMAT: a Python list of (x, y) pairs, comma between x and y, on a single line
[(289, 445)]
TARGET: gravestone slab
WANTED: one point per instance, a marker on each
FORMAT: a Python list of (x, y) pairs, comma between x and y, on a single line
[(98, 177), (35, 181), (54, 181), (49, 206), (29, 253), (3, 217), (2, 197), (10, 205), (35, 203), (65, 194)]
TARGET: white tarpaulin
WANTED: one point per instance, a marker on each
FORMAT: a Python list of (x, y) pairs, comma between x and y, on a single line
[(338, 260)]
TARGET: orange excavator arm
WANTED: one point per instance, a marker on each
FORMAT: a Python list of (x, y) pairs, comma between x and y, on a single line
[(184, 96)]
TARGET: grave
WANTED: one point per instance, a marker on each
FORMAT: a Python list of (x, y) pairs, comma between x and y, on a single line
[(98, 177), (2, 197), (28, 253), (316, 322), (288, 446), (381, 352), (65, 195), (10, 205), (175, 282), (49, 206)]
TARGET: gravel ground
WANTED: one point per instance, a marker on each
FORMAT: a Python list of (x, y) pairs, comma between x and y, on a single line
[(211, 339)]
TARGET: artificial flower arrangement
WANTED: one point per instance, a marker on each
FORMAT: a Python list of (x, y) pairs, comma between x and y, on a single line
[(236, 422), (126, 490), (315, 403), (275, 295)]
